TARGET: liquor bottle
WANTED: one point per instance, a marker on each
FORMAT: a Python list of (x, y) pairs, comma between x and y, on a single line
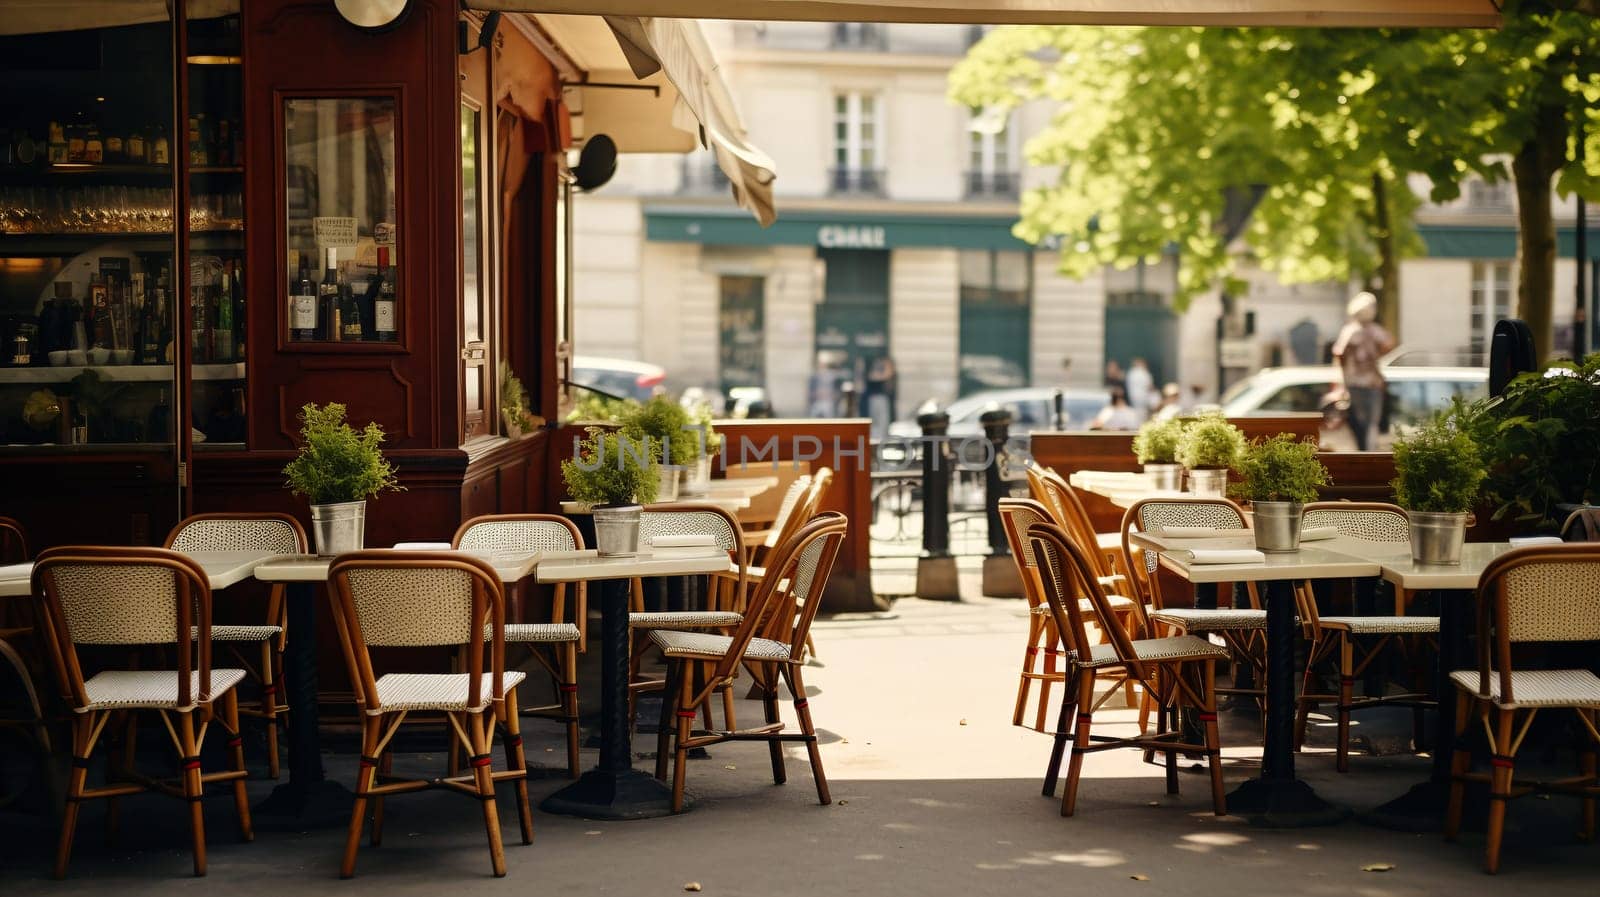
[(160, 148), (98, 313), (116, 149), (158, 426), (148, 348), (94, 147), (328, 299), (351, 296), (303, 307), (384, 322), (57, 144), (199, 319), (199, 156), (137, 154), (165, 313), (77, 131), (222, 333)]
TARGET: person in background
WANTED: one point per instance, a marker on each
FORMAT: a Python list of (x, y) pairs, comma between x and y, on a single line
[(822, 393), (1115, 378), (1141, 387), (1196, 397), (1359, 346), (1118, 415), (1171, 402), (877, 398)]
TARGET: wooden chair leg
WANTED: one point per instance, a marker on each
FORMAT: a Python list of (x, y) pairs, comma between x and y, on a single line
[(193, 790), (385, 765), (684, 722), (1069, 706), (669, 718), (1347, 685), (1308, 683), (82, 731), (1586, 768), (516, 760), (1025, 680), (729, 718), (1041, 717), (241, 798), (479, 727), (569, 704), (1460, 762), (1208, 717), (269, 705), (1499, 787), (371, 727), (1069, 795), (769, 707), (802, 706)]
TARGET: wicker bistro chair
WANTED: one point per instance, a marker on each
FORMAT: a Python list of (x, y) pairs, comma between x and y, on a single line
[(14, 618), (1016, 516), (555, 645), (770, 643), (87, 596), (759, 541), (1358, 642), (1054, 492), (1178, 672), (1541, 594), (280, 533), (419, 599)]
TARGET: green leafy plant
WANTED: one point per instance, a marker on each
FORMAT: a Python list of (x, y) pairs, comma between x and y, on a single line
[(514, 401), (1280, 469), (612, 468), (1438, 467), (667, 423), (1157, 441), (702, 417), (592, 407), (1210, 442), (1538, 441), (338, 463)]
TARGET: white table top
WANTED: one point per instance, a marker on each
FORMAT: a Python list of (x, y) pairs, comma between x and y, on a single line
[(729, 503), (1307, 563), (1392, 561), (314, 568), (748, 487), (580, 566), (1121, 488), (1400, 569), (223, 569)]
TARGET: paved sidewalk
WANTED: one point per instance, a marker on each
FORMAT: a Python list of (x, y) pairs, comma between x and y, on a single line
[(935, 793)]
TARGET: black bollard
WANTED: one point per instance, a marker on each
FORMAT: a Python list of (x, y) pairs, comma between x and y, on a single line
[(936, 569), (1000, 576), (1059, 411)]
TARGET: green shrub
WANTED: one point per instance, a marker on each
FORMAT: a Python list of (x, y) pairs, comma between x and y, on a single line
[(1157, 441), (667, 423), (702, 418), (1539, 441), (336, 462), (514, 401), (1211, 442), (593, 408), (1280, 469), (613, 468), (1438, 468)]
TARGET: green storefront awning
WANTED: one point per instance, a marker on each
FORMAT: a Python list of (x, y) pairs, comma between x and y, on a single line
[(830, 230), (1477, 242)]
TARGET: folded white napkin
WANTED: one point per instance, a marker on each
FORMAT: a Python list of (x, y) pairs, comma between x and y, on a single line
[(422, 546), (1525, 541), (1315, 533), (1198, 532), (700, 540), (1225, 556)]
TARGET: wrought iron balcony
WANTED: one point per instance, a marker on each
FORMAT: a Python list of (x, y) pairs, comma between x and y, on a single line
[(860, 36), (857, 181), (701, 176), (994, 184)]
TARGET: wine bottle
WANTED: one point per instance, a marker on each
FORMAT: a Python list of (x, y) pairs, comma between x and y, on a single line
[(94, 148), (158, 426), (384, 323), (199, 317), (148, 347), (222, 333), (303, 307), (160, 148), (328, 298), (351, 293)]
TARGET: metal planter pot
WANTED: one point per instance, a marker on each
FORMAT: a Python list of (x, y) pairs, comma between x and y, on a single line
[(616, 530), (339, 528), (1165, 477), (667, 485), (1437, 537), (697, 477), (1209, 482), (1277, 525)]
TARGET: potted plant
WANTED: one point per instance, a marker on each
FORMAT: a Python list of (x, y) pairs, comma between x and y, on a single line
[(1209, 448), (1278, 476), (514, 404), (337, 469), (666, 423), (1438, 473), (592, 407), (613, 473), (697, 479), (1156, 447)]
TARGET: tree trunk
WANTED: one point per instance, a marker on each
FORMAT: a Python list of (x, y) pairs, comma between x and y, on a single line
[(1534, 168), (1388, 291)]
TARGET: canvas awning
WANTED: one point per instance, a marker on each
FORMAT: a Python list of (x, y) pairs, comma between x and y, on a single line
[(40, 16), (695, 101), (1352, 13)]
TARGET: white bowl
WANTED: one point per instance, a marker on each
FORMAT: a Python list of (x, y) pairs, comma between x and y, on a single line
[(58, 358), (77, 356), (122, 356), (99, 355)]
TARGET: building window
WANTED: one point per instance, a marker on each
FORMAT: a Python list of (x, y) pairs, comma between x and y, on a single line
[(860, 36), (1491, 301), (1489, 196), (990, 160), (996, 306), (857, 144)]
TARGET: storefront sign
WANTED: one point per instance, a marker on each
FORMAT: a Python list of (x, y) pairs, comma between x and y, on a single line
[(336, 231), (842, 236)]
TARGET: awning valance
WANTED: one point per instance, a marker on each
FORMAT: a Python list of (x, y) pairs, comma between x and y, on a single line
[(1367, 13), (41, 16)]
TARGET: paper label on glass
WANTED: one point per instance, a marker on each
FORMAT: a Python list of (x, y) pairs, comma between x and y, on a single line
[(383, 316), (334, 230), (304, 313), (383, 233)]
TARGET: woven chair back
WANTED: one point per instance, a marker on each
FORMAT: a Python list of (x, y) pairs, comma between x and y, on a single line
[(279, 533), (518, 534), (1370, 520), (1545, 593), (1067, 575)]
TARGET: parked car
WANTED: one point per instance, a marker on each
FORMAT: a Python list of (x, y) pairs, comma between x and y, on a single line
[(619, 377), (1415, 394), (1031, 408)]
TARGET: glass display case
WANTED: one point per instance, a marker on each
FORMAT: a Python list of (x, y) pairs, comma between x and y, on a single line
[(90, 309), (339, 203)]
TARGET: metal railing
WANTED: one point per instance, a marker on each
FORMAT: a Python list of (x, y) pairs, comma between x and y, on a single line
[(701, 176), (860, 36), (995, 184), (858, 181)]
